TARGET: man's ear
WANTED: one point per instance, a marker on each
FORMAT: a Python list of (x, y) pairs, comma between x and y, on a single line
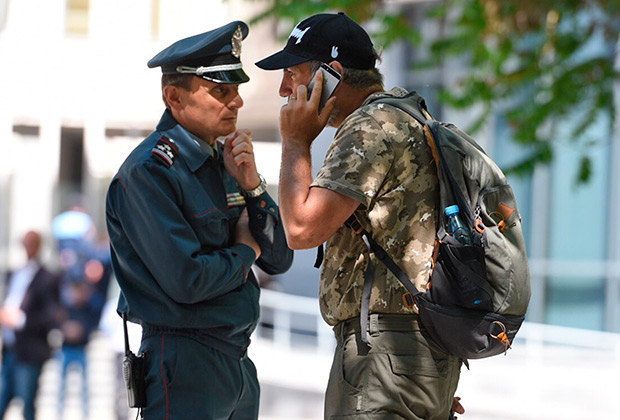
[(337, 66), (173, 96)]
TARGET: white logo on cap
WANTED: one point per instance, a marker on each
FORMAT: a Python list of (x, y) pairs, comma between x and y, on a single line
[(334, 52), (299, 34)]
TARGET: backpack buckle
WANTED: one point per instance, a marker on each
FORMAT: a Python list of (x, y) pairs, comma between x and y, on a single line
[(502, 337), (480, 226), (408, 300), (355, 225)]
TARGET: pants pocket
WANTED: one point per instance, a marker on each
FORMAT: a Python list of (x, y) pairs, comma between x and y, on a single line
[(162, 355), (422, 365)]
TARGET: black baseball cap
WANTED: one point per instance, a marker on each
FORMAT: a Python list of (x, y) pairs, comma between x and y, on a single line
[(213, 55), (325, 37)]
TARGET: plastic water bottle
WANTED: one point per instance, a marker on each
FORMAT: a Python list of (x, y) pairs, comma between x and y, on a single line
[(456, 227)]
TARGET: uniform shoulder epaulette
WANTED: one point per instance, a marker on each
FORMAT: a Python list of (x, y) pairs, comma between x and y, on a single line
[(165, 151)]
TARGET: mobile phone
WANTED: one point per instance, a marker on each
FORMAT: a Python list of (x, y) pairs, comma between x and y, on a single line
[(331, 80)]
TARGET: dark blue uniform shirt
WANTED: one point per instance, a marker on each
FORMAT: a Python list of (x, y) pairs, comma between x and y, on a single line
[(172, 233)]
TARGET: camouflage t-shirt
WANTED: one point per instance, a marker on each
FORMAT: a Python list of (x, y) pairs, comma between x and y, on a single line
[(380, 158)]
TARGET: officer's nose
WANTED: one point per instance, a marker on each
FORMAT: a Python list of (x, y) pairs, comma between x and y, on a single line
[(237, 102)]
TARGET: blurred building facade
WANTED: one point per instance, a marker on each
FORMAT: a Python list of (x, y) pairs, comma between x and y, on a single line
[(77, 96)]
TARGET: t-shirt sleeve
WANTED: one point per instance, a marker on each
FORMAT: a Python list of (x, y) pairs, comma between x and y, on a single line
[(358, 160)]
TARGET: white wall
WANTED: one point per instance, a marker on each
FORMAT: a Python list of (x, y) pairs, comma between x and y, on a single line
[(49, 79)]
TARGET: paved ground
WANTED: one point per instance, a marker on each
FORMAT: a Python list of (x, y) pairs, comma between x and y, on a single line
[(550, 383), (530, 383)]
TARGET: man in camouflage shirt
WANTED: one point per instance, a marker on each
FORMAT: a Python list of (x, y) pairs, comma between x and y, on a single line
[(379, 167)]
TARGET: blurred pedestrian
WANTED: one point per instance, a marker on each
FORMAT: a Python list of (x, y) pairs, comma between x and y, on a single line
[(112, 326), (27, 316), (85, 277)]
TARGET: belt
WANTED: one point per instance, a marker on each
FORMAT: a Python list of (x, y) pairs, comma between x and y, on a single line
[(204, 336), (381, 322)]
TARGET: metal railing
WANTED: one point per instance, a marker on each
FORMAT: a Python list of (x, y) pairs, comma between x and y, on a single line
[(279, 310)]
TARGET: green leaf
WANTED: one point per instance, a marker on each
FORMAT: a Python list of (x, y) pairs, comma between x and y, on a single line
[(543, 61), (585, 171)]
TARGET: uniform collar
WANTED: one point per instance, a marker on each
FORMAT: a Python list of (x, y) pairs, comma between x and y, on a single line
[(211, 150), (189, 146)]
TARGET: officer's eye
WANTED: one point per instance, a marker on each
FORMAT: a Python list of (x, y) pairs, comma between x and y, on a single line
[(220, 91), (224, 93)]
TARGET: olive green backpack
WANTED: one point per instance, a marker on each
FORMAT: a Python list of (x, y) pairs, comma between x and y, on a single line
[(478, 293)]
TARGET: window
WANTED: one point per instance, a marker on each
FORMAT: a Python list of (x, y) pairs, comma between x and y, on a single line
[(27, 131), (76, 19), (156, 16), (71, 157)]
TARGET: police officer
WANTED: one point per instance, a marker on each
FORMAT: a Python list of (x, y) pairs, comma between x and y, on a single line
[(187, 216)]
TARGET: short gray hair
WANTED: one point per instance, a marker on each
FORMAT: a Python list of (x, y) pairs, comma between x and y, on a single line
[(183, 81), (359, 79)]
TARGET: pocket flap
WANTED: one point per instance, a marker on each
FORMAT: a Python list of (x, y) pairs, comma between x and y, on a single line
[(410, 364)]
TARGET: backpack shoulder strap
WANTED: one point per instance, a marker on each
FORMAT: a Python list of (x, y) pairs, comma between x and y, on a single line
[(374, 248), (412, 103)]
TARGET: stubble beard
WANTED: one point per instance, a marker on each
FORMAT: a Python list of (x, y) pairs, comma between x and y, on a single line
[(334, 117)]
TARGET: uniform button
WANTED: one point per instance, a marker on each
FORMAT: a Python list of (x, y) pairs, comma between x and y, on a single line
[(260, 216), (272, 210)]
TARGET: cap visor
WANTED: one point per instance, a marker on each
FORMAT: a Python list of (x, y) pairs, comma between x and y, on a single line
[(280, 60), (228, 76)]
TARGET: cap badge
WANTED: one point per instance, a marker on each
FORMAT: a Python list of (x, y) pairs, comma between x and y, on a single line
[(236, 42)]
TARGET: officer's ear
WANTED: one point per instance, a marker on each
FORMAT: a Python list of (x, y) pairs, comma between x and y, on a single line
[(173, 97)]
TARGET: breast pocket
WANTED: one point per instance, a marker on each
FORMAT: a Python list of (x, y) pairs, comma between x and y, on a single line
[(212, 228)]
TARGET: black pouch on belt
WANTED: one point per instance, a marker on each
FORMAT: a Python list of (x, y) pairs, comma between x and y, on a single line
[(133, 373)]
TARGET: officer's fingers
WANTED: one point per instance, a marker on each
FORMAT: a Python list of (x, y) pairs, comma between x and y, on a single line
[(229, 139), (244, 131), (243, 152), (242, 138), (243, 141), (244, 159), (243, 147)]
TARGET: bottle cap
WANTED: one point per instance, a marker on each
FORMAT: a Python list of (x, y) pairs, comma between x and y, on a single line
[(450, 210)]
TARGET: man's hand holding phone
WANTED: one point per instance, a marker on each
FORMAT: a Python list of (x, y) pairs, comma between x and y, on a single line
[(303, 118), (331, 80)]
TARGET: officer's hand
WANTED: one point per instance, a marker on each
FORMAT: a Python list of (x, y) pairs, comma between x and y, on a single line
[(300, 120), (243, 234), (239, 159)]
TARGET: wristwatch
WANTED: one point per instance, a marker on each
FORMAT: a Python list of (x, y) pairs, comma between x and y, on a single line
[(262, 187)]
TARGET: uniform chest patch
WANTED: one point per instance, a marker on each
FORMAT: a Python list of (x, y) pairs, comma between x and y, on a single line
[(165, 151), (235, 200)]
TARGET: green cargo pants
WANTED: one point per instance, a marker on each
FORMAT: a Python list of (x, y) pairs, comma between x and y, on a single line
[(401, 375)]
